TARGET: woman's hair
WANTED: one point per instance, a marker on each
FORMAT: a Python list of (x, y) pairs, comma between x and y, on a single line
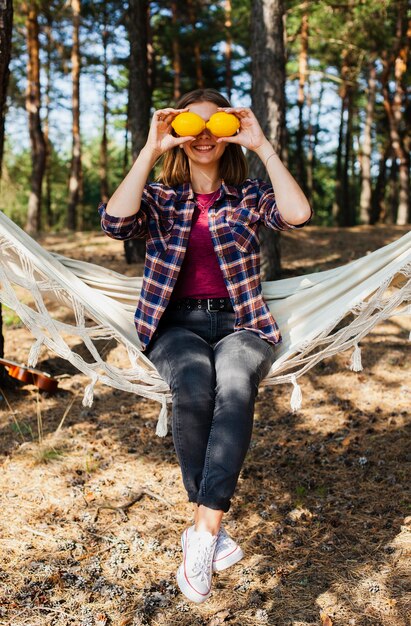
[(175, 167)]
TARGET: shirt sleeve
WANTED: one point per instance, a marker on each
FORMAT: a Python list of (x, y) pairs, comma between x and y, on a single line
[(268, 210), (131, 227)]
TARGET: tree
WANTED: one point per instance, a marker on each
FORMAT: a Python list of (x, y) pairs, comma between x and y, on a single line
[(104, 190), (33, 103), (268, 103), (366, 188), (6, 24), (75, 181), (393, 104), (139, 101), (192, 13), (303, 73)]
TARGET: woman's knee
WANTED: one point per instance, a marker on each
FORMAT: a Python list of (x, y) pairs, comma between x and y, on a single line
[(242, 358), (194, 379)]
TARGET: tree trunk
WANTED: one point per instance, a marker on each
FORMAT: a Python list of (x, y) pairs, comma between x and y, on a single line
[(228, 49), (196, 45), (377, 203), (6, 26), (126, 138), (176, 52), (391, 214), (139, 97), (313, 132), (393, 108), (338, 210), (104, 192), (268, 103), (151, 60), (366, 190), (75, 182), (38, 145), (302, 72), (347, 215), (48, 173)]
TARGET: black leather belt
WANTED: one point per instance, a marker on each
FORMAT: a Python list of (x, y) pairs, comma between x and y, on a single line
[(210, 304)]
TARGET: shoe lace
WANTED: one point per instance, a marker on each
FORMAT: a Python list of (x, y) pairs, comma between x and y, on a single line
[(203, 559)]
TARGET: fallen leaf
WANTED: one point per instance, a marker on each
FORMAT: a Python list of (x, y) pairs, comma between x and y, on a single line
[(326, 620), (219, 618), (100, 619)]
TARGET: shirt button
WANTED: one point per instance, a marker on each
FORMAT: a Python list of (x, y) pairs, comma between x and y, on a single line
[(220, 254)]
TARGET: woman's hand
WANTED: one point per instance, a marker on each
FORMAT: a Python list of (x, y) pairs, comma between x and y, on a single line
[(159, 138), (250, 134)]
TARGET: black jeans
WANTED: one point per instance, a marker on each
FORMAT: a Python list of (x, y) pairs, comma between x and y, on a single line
[(214, 374)]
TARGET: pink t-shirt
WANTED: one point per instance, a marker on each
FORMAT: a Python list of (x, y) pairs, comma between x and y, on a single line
[(200, 274)]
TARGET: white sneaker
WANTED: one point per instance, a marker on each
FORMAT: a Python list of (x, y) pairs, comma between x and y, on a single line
[(227, 551), (195, 573)]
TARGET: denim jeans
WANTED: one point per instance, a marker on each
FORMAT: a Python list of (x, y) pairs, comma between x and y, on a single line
[(214, 374)]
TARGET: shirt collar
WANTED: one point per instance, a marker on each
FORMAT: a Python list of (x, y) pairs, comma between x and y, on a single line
[(185, 191)]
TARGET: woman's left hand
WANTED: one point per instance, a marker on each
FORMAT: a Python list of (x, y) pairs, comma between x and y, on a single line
[(250, 134)]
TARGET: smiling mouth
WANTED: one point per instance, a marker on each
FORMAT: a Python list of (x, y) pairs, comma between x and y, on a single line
[(203, 148)]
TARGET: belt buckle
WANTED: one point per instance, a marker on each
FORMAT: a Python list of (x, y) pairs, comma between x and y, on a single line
[(208, 305)]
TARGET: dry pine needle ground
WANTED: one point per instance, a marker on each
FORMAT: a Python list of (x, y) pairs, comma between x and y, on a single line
[(91, 516)]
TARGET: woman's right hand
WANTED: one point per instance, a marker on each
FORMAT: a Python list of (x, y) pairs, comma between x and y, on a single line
[(159, 138)]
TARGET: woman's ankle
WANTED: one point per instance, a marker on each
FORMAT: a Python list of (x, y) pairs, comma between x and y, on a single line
[(207, 519)]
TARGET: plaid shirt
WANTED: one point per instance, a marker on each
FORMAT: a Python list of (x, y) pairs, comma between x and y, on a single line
[(164, 220)]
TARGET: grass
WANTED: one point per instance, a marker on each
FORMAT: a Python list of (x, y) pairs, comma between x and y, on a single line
[(46, 454), (22, 428), (10, 318)]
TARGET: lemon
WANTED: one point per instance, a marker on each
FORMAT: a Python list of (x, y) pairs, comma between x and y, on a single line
[(223, 124), (186, 124)]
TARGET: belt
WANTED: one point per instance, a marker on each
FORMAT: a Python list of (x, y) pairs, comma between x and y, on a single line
[(210, 304)]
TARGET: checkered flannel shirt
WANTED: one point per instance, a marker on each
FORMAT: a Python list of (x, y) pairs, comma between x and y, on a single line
[(164, 220)]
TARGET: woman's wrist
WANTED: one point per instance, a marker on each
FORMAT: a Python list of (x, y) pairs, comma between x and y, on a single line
[(265, 152), (150, 155)]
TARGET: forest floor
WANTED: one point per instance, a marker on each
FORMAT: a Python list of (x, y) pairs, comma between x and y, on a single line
[(322, 509)]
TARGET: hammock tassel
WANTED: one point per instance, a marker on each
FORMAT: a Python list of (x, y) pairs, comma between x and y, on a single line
[(34, 353), (89, 392), (356, 364), (296, 396), (161, 429)]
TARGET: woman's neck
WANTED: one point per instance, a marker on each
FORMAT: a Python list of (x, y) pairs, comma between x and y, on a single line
[(205, 180)]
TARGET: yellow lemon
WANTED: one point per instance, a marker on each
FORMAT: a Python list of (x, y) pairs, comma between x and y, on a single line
[(223, 124), (186, 124)]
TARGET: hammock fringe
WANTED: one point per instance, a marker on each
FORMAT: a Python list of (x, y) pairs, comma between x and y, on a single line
[(89, 393), (296, 400), (162, 429), (356, 363)]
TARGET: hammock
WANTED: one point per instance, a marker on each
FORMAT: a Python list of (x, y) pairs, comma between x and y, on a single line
[(319, 314)]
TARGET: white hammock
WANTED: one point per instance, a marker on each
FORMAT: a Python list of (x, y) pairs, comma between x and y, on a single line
[(319, 314)]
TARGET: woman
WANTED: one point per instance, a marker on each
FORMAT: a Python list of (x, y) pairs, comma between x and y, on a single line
[(201, 317)]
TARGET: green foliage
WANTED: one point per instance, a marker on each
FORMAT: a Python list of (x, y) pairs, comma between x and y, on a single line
[(14, 183), (361, 31), (10, 318)]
